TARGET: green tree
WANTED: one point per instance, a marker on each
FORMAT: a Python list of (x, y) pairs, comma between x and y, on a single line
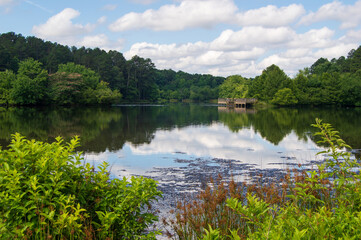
[(256, 88), (320, 66), (105, 95), (66, 88), (7, 78), (58, 54), (90, 78), (233, 87), (274, 80), (118, 63), (354, 60), (75, 83), (300, 86), (331, 88), (141, 77), (36, 49), (30, 85), (351, 89), (314, 90), (7, 61), (194, 93), (284, 97)]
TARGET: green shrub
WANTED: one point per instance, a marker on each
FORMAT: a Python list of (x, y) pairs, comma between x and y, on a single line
[(47, 192), (284, 97)]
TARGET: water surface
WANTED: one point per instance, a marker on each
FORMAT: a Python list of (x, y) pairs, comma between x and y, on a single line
[(176, 140)]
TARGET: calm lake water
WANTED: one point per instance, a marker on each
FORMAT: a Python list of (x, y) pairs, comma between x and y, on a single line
[(177, 140)]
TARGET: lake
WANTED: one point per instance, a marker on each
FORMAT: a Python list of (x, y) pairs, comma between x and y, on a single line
[(182, 145)]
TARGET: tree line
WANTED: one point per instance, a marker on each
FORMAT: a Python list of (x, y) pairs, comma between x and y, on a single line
[(72, 75), (34, 71), (335, 82)]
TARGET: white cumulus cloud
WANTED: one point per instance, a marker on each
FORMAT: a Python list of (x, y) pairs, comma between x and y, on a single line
[(352, 36), (101, 41), (95, 41), (248, 51), (314, 38), (61, 28), (289, 64), (206, 14), (348, 15), (271, 16), (341, 49), (188, 14), (249, 37)]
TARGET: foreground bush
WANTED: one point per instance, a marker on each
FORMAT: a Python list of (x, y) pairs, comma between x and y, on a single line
[(47, 193), (322, 204)]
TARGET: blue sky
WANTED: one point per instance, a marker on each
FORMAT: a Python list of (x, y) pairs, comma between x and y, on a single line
[(220, 37)]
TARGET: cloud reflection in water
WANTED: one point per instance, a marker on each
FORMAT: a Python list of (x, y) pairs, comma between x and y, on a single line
[(213, 141)]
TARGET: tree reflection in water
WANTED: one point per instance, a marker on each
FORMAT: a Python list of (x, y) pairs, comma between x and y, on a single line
[(110, 128)]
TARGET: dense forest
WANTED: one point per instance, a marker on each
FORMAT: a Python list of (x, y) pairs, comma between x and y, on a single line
[(34, 71), (68, 75)]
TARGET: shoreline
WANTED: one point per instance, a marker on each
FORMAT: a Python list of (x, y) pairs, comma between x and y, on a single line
[(184, 183)]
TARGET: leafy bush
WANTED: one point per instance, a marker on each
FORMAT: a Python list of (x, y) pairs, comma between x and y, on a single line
[(284, 97), (30, 84), (322, 204), (46, 192)]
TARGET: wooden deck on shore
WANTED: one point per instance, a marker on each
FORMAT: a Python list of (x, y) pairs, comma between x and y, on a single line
[(236, 102)]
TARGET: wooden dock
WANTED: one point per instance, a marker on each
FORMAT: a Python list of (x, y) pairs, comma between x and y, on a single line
[(236, 102)]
